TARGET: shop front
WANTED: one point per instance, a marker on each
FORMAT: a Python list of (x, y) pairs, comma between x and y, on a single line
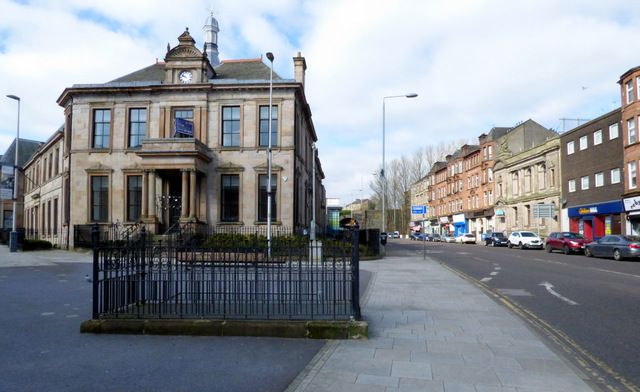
[(632, 211), (444, 225), (459, 224), (596, 220)]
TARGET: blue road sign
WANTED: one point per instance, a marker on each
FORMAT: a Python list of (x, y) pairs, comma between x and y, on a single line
[(418, 209)]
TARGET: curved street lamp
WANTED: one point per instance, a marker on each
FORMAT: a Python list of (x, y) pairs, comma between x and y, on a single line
[(384, 179)]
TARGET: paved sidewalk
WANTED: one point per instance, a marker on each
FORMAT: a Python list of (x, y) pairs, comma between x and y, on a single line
[(42, 257), (430, 330)]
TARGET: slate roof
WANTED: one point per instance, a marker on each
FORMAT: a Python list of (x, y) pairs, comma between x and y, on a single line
[(26, 151), (250, 69), (497, 132)]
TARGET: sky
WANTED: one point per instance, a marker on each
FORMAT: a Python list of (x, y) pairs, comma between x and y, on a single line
[(474, 64)]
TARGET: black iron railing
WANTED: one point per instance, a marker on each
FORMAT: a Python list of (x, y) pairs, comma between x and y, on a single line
[(227, 277), (107, 232)]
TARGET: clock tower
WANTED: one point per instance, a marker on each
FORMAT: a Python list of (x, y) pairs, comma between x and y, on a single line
[(185, 64)]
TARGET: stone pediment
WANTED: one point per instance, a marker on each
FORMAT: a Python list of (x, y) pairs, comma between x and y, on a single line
[(185, 49), (263, 168), (97, 168), (181, 52), (229, 167)]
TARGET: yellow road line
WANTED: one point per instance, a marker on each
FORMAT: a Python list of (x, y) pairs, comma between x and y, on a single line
[(592, 365)]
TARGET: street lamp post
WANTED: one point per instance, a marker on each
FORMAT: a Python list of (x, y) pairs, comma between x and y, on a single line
[(13, 238), (383, 175), (313, 195), (269, 157)]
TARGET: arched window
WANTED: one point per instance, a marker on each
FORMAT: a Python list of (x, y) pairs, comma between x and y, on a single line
[(542, 176), (515, 179), (527, 180)]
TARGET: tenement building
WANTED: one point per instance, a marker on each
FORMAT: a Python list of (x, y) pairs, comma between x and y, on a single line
[(592, 167), (185, 140), (527, 175), (630, 116), (26, 149)]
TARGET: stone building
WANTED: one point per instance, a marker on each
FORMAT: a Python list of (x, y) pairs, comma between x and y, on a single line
[(630, 116), (527, 173), (43, 197), (419, 196), (186, 141), (592, 181)]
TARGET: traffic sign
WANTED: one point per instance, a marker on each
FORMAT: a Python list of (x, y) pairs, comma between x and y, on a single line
[(418, 209), (544, 210)]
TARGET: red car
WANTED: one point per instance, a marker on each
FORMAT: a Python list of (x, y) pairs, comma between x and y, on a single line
[(565, 241)]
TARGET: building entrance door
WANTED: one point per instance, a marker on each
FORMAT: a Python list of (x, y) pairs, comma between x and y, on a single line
[(170, 202)]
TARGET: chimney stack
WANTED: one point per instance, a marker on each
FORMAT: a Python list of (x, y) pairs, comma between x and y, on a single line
[(299, 68)]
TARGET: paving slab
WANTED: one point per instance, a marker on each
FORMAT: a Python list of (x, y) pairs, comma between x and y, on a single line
[(431, 330)]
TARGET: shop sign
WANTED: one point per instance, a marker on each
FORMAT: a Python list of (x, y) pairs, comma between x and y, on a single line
[(588, 210), (632, 203), (444, 219), (458, 218)]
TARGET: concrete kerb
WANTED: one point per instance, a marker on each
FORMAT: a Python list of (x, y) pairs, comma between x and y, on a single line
[(315, 329)]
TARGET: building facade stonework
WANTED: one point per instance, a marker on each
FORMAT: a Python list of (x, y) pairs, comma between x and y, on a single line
[(527, 173), (181, 141)]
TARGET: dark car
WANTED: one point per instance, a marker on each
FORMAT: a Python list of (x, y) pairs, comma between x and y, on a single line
[(435, 237), (414, 235), (383, 238), (617, 246), (565, 241), (495, 239)]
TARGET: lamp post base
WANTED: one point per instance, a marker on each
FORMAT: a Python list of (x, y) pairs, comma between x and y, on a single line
[(13, 241)]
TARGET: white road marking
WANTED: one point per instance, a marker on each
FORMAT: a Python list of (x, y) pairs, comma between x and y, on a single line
[(615, 272), (485, 279), (493, 273), (549, 288), (47, 313), (497, 268)]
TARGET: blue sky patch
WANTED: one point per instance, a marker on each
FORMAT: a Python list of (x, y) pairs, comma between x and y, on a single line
[(101, 19), (4, 37)]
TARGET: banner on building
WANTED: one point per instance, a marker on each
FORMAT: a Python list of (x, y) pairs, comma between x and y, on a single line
[(184, 127), (6, 182)]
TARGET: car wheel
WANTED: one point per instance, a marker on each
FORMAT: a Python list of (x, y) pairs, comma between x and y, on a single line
[(520, 246), (587, 252), (509, 245), (566, 250), (548, 248), (616, 255)]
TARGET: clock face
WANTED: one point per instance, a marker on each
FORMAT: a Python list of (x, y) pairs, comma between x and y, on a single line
[(185, 77)]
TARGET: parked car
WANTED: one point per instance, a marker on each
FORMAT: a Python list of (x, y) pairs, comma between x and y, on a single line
[(495, 239), (466, 238), (448, 238), (565, 241), (414, 235), (524, 239), (435, 237), (383, 238), (395, 234), (617, 246)]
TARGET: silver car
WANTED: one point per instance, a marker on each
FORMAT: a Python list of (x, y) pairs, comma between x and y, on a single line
[(617, 246)]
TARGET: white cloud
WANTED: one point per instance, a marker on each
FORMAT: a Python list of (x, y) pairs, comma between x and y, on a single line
[(474, 63)]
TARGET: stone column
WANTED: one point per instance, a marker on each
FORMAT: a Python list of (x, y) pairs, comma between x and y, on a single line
[(152, 194), (145, 193), (185, 193), (192, 194)]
